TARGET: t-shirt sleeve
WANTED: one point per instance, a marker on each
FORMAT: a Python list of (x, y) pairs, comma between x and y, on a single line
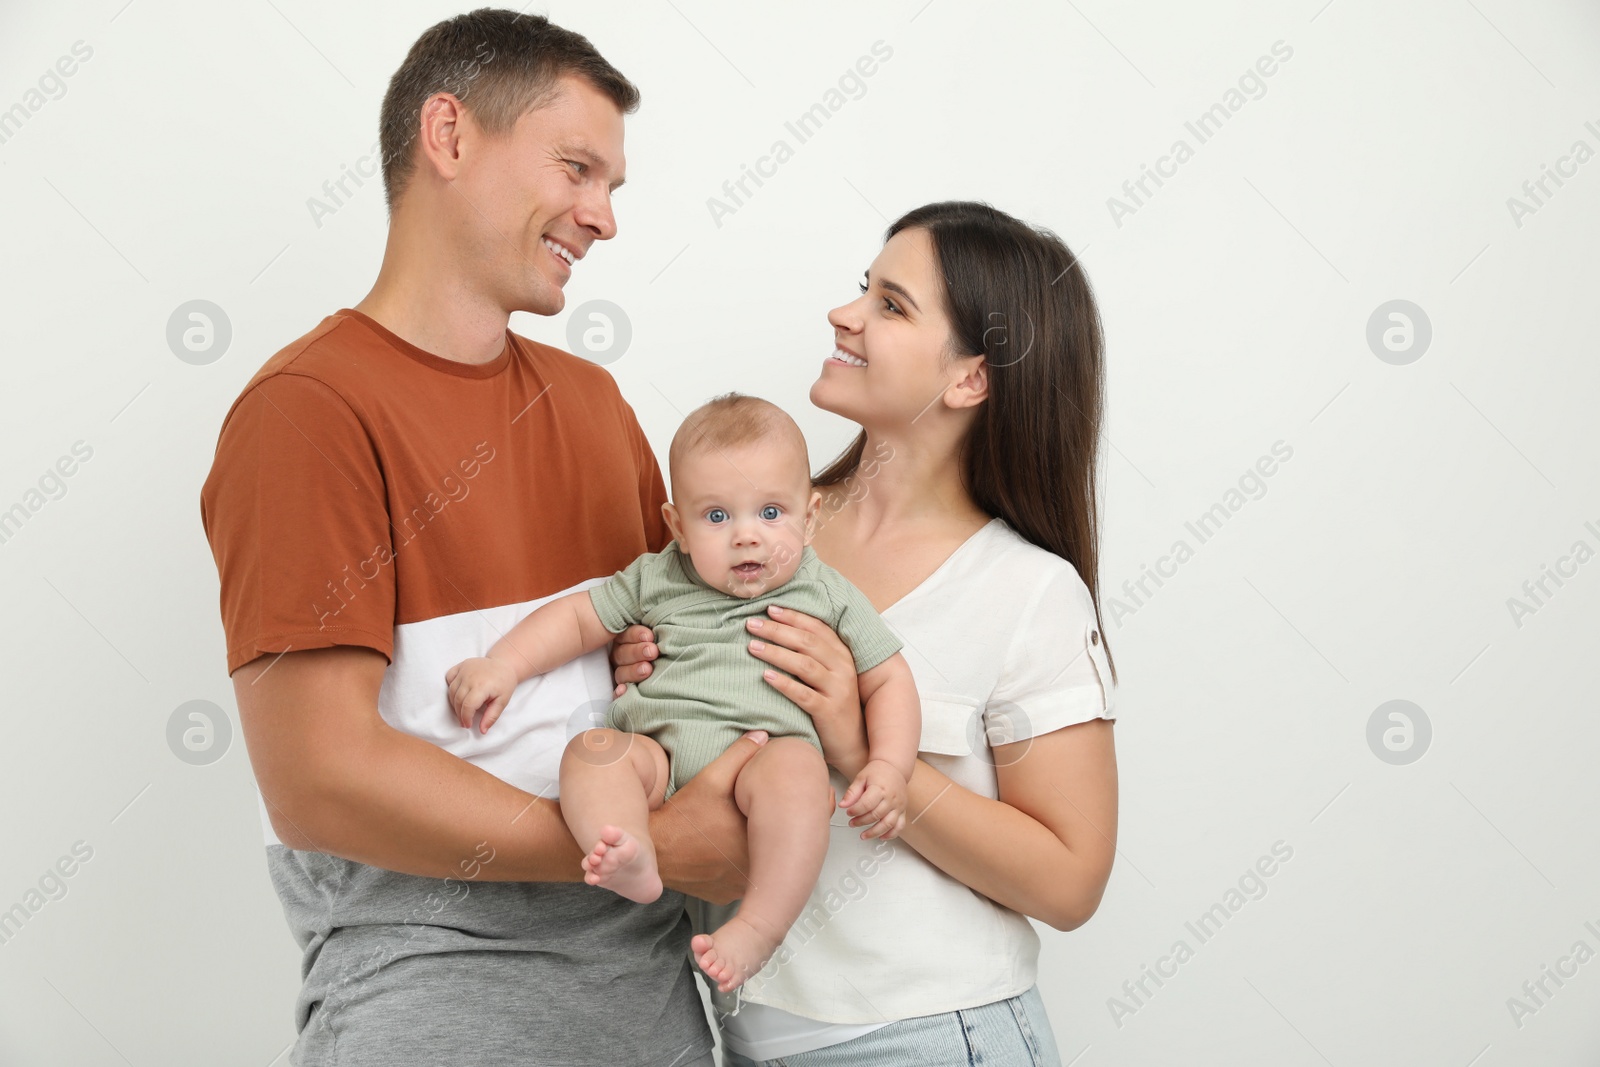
[(297, 517), (860, 627), (1055, 673), (619, 600)]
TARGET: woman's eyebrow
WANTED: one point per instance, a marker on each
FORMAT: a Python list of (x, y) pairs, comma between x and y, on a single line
[(894, 287)]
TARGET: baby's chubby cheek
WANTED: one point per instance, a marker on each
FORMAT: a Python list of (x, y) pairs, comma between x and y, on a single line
[(785, 563), (722, 578)]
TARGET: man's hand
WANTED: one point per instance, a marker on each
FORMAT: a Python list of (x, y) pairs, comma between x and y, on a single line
[(480, 683), (878, 796), (631, 653), (700, 832)]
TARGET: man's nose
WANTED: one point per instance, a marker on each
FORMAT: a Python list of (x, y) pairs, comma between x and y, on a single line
[(594, 214)]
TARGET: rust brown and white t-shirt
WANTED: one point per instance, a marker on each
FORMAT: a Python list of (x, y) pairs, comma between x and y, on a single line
[(367, 492)]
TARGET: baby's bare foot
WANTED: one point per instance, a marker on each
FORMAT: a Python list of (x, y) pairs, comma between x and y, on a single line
[(620, 864), (734, 952)]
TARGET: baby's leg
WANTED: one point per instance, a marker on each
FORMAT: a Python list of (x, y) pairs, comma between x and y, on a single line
[(610, 782), (785, 796)]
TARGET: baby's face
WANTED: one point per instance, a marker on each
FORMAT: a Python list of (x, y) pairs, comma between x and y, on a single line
[(743, 515)]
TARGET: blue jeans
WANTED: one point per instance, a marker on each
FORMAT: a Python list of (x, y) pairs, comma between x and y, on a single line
[(1007, 1033)]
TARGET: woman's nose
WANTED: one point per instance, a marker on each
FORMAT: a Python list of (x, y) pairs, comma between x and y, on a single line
[(846, 317)]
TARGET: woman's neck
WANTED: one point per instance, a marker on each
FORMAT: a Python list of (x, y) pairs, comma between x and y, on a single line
[(909, 483)]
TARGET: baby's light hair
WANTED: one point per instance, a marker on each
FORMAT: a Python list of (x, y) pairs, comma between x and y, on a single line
[(731, 420)]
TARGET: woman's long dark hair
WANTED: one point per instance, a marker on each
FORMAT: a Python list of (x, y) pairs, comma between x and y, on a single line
[(1017, 295)]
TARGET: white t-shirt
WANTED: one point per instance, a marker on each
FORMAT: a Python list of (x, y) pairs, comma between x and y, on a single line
[(1003, 643)]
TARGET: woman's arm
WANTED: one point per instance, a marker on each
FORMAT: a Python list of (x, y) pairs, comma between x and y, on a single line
[(1044, 848)]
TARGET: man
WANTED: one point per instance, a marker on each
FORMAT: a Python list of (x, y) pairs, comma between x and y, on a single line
[(390, 493)]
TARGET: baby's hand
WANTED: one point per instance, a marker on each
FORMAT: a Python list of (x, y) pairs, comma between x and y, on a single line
[(878, 794), (480, 683)]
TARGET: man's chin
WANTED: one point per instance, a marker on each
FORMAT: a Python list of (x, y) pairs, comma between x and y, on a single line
[(550, 300)]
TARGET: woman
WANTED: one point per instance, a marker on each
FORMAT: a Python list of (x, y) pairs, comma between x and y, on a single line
[(965, 511)]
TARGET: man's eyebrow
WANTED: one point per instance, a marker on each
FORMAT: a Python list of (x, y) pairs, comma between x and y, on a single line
[(894, 287), (590, 156)]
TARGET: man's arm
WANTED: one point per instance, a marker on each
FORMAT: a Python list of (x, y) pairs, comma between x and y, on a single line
[(338, 779)]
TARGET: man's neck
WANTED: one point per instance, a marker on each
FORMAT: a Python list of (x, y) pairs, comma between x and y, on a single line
[(421, 298)]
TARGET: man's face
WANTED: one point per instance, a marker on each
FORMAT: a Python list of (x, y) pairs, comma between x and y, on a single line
[(542, 194), (744, 515)]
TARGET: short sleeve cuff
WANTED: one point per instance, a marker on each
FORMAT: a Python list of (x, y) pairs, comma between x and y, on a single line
[(277, 644), (611, 614), (1090, 694), (871, 655)]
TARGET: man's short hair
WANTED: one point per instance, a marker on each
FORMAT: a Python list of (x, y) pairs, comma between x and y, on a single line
[(500, 64), (731, 420)]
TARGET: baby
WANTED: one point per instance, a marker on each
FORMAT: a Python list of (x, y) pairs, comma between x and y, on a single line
[(742, 519)]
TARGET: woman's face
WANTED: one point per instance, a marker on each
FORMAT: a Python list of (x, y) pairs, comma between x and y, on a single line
[(890, 367)]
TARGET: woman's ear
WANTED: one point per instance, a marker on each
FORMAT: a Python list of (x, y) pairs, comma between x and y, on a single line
[(969, 384)]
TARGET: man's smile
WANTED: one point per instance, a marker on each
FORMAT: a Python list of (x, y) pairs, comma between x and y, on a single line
[(561, 252)]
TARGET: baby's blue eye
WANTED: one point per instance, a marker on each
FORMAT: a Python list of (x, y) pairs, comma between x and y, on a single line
[(771, 512), (716, 515)]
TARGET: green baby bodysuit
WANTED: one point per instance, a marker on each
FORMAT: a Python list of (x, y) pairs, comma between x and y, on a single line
[(705, 688)]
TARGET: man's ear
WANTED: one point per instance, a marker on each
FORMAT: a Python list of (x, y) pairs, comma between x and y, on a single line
[(969, 385), (813, 506), (443, 122), (670, 513)]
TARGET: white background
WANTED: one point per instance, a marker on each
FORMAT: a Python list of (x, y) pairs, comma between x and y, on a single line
[(1377, 166)]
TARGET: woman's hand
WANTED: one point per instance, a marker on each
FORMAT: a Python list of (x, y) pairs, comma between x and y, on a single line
[(823, 683), (631, 653)]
